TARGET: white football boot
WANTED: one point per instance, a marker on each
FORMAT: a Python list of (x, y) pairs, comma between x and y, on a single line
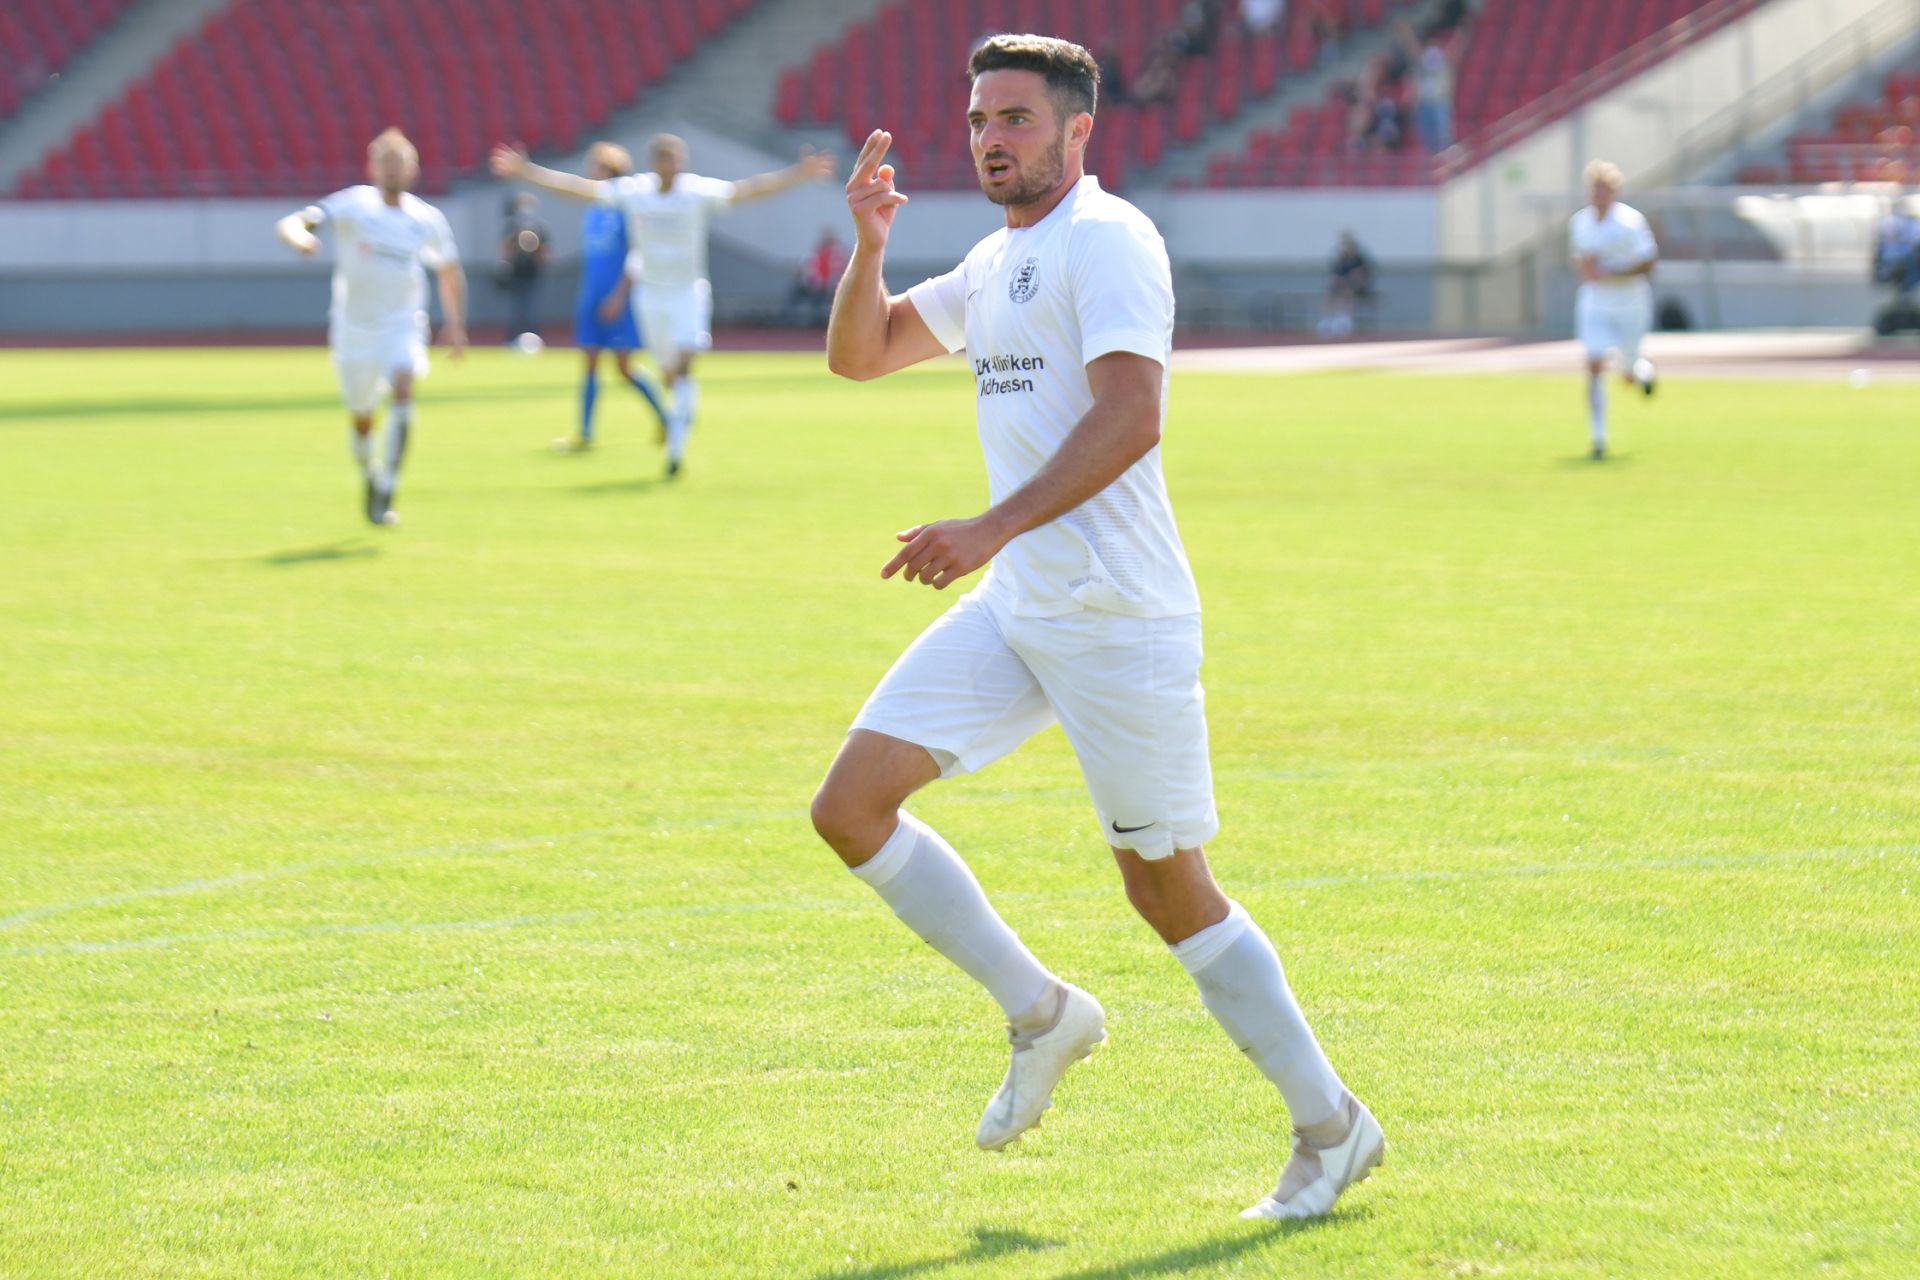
[(1317, 1174), (1040, 1058)]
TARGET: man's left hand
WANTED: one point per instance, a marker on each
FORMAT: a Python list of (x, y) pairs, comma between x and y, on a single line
[(945, 551), (454, 335), (814, 166)]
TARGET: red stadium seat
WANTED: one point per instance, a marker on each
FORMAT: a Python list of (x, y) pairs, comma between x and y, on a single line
[(908, 42), (215, 114)]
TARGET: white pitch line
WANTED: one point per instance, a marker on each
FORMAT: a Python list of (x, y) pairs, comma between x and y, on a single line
[(1415, 876)]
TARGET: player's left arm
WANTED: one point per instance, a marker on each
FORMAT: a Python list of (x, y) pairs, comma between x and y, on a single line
[(812, 166), (1120, 429), (452, 281), (1646, 254)]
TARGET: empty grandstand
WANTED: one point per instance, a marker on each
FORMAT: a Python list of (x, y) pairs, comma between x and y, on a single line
[(145, 141)]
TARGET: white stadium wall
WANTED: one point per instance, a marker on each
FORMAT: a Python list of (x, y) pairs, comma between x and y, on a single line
[(152, 265)]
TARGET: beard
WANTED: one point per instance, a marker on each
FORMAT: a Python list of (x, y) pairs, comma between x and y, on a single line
[(1028, 185)]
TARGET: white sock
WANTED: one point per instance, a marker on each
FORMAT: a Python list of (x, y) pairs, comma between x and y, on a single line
[(920, 876), (686, 397), (399, 419), (1246, 991), (1597, 409), (362, 446)]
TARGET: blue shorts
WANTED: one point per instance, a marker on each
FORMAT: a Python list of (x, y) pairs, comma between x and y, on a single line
[(617, 334)]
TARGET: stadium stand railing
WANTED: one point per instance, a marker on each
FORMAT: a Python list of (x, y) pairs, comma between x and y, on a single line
[(1508, 83), (1234, 70), (38, 40), (279, 97)]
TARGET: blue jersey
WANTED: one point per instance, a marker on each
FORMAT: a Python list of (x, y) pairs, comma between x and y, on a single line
[(603, 261), (603, 251)]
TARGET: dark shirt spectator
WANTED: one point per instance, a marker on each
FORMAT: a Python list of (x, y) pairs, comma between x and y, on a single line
[(1113, 83), (523, 256), (1199, 26), (1350, 280)]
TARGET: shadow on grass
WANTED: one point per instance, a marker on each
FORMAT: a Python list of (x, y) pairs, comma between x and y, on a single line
[(346, 549), (988, 1243), (1179, 1261), (1587, 460), (639, 484), (29, 410)]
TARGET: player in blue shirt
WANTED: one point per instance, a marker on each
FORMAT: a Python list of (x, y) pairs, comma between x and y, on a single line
[(603, 310)]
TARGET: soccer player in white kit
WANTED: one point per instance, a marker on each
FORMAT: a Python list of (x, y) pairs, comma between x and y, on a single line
[(377, 326), (1089, 615), (1613, 249), (667, 214)]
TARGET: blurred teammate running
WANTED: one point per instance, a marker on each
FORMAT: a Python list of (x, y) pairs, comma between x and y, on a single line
[(384, 237)]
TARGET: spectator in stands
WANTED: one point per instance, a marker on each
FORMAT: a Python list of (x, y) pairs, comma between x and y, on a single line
[(523, 256), (1351, 283), (1199, 27), (1432, 86), (1373, 116), (811, 297), (1323, 21), (1113, 84), (1453, 14), (1262, 16), (1159, 75)]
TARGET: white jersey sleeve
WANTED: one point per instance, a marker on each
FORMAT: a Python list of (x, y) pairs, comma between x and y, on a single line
[(1122, 289), (611, 190), (328, 208), (438, 248), (1643, 247), (717, 194), (942, 304)]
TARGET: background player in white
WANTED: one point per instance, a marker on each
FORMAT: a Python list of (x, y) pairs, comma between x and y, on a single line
[(1089, 614), (377, 326), (1613, 249), (667, 212)]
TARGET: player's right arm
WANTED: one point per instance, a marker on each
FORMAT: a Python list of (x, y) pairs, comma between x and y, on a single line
[(511, 162), (870, 333), (296, 232)]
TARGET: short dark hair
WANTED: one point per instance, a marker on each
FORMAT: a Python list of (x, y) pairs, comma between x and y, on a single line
[(1072, 74)]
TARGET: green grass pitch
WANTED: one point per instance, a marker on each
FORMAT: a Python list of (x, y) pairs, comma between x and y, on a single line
[(442, 902)]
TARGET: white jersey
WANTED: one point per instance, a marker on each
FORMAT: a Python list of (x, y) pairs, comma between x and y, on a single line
[(379, 251), (667, 230), (1620, 240), (1033, 306)]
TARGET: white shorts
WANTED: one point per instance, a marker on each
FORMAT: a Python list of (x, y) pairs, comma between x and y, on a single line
[(980, 681), (1608, 324), (676, 322), (365, 360)]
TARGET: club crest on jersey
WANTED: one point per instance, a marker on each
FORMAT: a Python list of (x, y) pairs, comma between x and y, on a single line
[(1025, 282)]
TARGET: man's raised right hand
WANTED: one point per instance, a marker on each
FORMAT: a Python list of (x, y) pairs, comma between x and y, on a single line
[(507, 161), (871, 196)]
